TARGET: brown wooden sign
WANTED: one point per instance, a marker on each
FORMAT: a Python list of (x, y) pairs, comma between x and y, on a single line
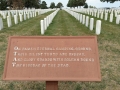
[(52, 58)]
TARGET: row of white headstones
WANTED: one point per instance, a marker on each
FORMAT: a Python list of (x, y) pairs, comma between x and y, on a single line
[(102, 13), (47, 21), (85, 21), (20, 15)]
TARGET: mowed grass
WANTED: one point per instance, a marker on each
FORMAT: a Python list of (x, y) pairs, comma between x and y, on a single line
[(30, 27), (66, 25), (108, 45)]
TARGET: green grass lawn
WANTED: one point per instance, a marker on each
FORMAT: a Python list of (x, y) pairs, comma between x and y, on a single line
[(66, 25)]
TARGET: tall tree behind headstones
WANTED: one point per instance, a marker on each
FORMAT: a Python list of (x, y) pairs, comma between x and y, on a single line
[(80, 2), (52, 5), (3, 4), (15, 4), (32, 3), (76, 3), (86, 5), (9, 3), (44, 5), (70, 3), (19, 4), (59, 5)]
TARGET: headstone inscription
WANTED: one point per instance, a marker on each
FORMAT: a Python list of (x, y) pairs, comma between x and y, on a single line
[(51, 58)]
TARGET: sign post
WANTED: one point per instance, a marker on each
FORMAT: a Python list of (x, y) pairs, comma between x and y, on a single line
[(51, 85)]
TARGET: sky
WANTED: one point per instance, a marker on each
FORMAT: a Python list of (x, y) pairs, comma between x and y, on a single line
[(95, 3)]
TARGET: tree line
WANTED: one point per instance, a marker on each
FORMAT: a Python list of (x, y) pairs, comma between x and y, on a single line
[(52, 5), (20, 4), (77, 3)]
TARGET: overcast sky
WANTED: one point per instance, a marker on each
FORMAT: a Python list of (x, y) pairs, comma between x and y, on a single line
[(95, 3)]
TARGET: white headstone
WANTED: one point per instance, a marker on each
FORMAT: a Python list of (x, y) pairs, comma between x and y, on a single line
[(45, 25), (50, 18), (106, 16), (16, 19), (95, 14), (75, 15), (83, 21), (21, 18), (91, 23), (101, 15), (111, 17), (42, 27), (98, 27), (28, 15), (118, 19), (115, 13), (47, 21), (9, 13), (33, 14), (81, 17), (78, 17), (98, 15), (4, 15), (87, 21), (9, 21), (1, 24), (24, 16)]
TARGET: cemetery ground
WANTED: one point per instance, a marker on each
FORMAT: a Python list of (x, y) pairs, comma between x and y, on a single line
[(66, 25)]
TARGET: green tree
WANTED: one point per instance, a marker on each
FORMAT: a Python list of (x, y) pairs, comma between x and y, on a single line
[(52, 5), (16, 4), (81, 2), (32, 3), (70, 3), (86, 5), (59, 5), (76, 3), (9, 3), (37, 3), (3, 4), (44, 5), (111, 1), (24, 3)]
